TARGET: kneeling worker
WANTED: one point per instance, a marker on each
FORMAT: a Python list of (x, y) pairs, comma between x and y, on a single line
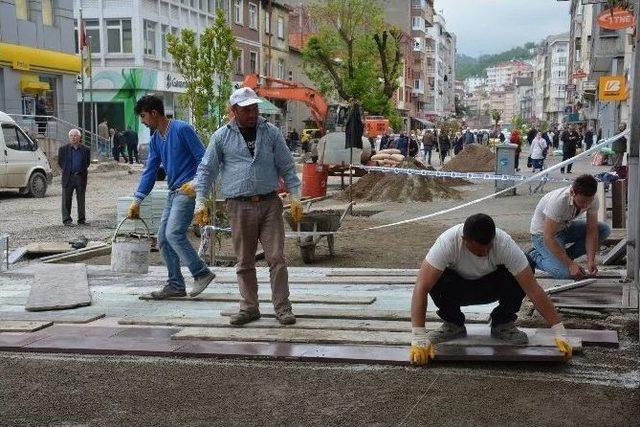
[(554, 227), (470, 264)]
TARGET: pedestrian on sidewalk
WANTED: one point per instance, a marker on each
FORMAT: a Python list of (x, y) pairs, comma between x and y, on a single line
[(175, 146), (131, 140), (117, 145), (588, 138), (471, 264), (428, 141), (538, 152), (74, 160), (517, 141), (571, 140), (250, 155)]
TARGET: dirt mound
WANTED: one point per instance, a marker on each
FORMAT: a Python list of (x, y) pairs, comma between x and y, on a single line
[(109, 166), (389, 187), (473, 158)]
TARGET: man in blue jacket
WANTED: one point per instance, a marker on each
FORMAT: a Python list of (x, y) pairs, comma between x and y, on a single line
[(176, 146)]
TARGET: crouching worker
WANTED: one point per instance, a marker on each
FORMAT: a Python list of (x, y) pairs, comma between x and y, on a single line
[(175, 145), (470, 264), (559, 238)]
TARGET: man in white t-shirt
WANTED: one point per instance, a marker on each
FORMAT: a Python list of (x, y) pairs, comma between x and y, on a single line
[(559, 238), (470, 264)]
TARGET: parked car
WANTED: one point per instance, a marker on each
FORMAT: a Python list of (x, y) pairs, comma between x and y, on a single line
[(23, 166)]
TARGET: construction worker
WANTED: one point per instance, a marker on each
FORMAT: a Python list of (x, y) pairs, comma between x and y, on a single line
[(251, 155), (176, 146), (470, 264), (555, 226)]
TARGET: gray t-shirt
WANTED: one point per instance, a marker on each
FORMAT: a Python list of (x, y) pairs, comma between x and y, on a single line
[(558, 206), (449, 251)]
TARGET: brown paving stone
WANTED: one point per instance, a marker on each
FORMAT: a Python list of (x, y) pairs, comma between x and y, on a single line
[(102, 345), (10, 341)]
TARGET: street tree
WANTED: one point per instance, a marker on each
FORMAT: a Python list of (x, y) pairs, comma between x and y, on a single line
[(354, 55), (206, 64)]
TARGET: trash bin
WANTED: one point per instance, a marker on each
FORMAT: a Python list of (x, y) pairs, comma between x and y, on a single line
[(314, 180), (505, 165)]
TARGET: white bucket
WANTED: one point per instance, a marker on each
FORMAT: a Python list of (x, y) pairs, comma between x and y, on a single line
[(130, 255)]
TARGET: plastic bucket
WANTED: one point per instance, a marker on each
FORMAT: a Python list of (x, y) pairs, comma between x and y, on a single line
[(314, 180), (130, 255)]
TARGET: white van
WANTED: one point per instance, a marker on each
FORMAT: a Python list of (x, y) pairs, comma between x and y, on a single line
[(23, 165)]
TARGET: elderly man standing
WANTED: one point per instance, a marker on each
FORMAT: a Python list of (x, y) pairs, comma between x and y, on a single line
[(74, 160), (250, 154)]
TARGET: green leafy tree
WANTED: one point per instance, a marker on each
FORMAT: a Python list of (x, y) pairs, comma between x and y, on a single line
[(496, 115), (207, 65), (354, 55)]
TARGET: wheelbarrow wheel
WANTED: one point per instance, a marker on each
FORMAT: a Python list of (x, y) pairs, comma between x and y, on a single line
[(308, 253)]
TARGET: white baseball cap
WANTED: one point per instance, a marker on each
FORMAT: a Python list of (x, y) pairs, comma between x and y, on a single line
[(243, 97)]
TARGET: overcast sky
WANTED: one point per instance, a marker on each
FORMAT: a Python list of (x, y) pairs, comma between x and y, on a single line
[(492, 26)]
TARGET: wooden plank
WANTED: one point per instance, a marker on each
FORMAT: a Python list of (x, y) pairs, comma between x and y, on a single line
[(565, 287), (296, 299), (368, 272), (360, 280), (55, 317), (480, 337), (79, 254), (58, 287), (616, 235), (603, 274), (49, 248), (616, 253), (22, 325), (330, 313)]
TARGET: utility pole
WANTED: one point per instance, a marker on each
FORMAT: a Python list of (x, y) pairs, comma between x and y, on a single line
[(633, 220), (80, 49)]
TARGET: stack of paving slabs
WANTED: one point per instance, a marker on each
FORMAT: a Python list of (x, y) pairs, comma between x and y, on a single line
[(150, 210)]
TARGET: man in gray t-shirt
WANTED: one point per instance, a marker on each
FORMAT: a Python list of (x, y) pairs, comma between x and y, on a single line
[(473, 264), (557, 235)]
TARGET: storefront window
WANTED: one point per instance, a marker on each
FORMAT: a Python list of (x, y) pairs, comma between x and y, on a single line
[(50, 97)]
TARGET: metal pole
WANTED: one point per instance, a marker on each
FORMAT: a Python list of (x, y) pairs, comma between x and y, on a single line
[(91, 106), (633, 221), (80, 48)]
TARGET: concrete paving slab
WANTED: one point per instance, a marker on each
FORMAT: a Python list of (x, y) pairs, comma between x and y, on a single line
[(59, 287), (22, 325), (300, 299)]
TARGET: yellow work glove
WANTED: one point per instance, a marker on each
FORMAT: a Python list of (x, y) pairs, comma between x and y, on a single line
[(134, 210), (201, 215), (422, 349), (187, 189), (296, 209), (561, 340)]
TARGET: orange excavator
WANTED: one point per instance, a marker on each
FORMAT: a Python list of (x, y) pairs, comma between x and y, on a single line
[(327, 117)]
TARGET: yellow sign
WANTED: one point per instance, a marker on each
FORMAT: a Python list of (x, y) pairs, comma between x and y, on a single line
[(612, 88), (19, 64)]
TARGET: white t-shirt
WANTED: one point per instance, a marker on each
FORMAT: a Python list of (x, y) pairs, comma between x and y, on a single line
[(558, 206), (449, 251), (537, 148)]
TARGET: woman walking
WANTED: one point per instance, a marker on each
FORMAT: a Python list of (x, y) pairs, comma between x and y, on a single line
[(538, 152)]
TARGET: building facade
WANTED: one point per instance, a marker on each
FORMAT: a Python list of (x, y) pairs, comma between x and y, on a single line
[(505, 72), (38, 63), (550, 78)]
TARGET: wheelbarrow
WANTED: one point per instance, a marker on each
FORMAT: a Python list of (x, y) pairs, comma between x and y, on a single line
[(322, 223)]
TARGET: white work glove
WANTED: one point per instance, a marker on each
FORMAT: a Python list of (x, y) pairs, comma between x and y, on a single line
[(560, 336), (421, 347)]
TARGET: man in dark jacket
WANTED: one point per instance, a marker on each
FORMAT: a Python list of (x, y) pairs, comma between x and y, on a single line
[(571, 140), (531, 135), (588, 138), (74, 160), (131, 140), (403, 144), (117, 145)]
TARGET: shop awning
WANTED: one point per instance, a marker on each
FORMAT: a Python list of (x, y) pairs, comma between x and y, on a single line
[(266, 107), (32, 84), (28, 58), (423, 121)]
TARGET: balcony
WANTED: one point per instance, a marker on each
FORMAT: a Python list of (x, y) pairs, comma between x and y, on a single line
[(418, 87)]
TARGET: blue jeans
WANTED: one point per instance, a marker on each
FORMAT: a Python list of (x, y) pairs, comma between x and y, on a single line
[(172, 239), (574, 235), (427, 154)]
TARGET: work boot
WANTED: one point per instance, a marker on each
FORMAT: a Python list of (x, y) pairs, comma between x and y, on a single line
[(509, 333), (201, 282), (168, 292), (286, 317), (448, 331), (243, 317)]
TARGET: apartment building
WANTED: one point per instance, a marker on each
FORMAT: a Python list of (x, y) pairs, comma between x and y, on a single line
[(37, 58), (505, 72), (550, 78)]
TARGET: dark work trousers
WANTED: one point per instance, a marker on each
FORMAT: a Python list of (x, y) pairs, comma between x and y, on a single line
[(79, 185), (132, 150), (567, 157), (452, 292)]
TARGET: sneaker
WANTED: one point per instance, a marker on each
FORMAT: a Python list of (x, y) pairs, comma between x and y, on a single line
[(509, 333), (68, 223), (201, 282), (244, 317), (286, 317), (448, 331), (168, 292)]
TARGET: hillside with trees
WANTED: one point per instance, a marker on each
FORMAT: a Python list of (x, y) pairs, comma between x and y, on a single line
[(467, 66)]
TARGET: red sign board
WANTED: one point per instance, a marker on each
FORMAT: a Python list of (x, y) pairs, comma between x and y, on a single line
[(579, 74), (616, 19)]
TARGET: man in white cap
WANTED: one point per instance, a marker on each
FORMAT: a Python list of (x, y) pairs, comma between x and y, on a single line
[(251, 155)]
